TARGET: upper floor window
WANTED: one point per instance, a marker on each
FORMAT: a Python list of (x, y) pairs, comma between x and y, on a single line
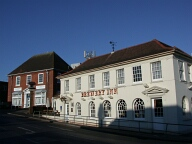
[(66, 85), (40, 78), (106, 79), (78, 84), (18, 80), (28, 79), (156, 70), (189, 72), (120, 76), (137, 74), (91, 81), (181, 71)]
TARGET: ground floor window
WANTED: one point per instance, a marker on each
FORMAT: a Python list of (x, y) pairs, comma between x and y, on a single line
[(107, 108), (40, 98), (16, 99), (122, 109), (139, 108), (78, 108), (92, 109), (185, 106)]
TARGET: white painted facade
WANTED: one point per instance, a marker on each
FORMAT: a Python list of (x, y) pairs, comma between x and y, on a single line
[(168, 89)]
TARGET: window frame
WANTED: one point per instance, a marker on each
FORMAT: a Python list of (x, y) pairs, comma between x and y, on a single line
[(92, 109), (181, 70), (189, 72), (137, 75), (91, 81), (156, 67), (107, 109), (39, 78), (137, 107), (66, 86), (106, 79), (120, 76), (28, 80), (78, 84), (78, 109), (18, 81), (121, 109)]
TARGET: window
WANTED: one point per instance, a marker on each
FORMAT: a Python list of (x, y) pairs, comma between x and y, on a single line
[(66, 85), (137, 75), (92, 109), (181, 71), (122, 109), (156, 70), (185, 106), (106, 79), (139, 108), (78, 80), (120, 76), (78, 108), (107, 109), (17, 99), (40, 98), (189, 72), (18, 80), (28, 79), (91, 81), (40, 78)]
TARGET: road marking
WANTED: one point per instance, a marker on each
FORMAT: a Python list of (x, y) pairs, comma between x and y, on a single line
[(61, 128), (29, 131)]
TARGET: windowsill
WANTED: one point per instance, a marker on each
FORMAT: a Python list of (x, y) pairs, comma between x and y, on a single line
[(137, 83), (121, 85), (78, 91), (139, 119), (156, 81), (183, 81)]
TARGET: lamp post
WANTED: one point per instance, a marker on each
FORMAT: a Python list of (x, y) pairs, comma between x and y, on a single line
[(31, 87)]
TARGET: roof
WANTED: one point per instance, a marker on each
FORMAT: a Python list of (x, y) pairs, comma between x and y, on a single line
[(130, 53), (44, 61)]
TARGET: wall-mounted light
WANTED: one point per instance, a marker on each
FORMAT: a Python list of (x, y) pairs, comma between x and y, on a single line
[(145, 85), (83, 99), (110, 97), (101, 98), (92, 98)]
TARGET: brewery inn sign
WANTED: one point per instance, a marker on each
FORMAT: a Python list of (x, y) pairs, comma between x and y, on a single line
[(100, 92)]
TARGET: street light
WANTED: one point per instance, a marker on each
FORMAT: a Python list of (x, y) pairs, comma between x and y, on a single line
[(31, 87)]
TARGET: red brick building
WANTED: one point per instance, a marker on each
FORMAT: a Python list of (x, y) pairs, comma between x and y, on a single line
[(41, 69)]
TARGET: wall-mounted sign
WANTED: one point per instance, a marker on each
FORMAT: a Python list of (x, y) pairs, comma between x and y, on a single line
[(40, 87), (17, 89), (100, 92)]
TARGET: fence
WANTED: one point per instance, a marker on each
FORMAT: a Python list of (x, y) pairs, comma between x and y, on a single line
[(120, 124)]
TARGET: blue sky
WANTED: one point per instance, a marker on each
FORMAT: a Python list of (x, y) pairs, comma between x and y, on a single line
[(68, 27)]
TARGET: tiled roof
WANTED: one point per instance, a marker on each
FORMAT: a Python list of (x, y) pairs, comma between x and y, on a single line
[(41, 62), (138, 51)]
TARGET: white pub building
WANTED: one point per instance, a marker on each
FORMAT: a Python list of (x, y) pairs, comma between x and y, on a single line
[(147, 86)]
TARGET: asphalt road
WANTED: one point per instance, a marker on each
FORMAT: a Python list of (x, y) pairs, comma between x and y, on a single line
[(16, 129)]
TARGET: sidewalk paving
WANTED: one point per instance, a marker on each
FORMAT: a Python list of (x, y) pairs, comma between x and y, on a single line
[(187, 138)]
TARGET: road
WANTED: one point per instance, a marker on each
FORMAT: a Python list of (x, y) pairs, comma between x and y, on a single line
[(16, 129)]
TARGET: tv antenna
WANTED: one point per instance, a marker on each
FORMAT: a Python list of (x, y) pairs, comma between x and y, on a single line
[(113, 44)]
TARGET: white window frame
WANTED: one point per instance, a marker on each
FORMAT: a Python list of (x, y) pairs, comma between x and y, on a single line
[(39, 78), (66, 85), (106, 79), (78, 84), (92, 109), (139, 109), (137, 74), (120, 77), (121, 109), (40, 98), (28, 79), (107, 109), (185, 108), (78, 109), (92, 81), (189, 72), (156, 70), (18, 80), (181, 70)]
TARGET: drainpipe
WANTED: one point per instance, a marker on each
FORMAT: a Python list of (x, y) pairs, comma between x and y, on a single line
[(47, 82)]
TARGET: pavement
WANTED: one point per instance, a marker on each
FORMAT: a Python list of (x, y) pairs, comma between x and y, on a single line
[(184, 138)]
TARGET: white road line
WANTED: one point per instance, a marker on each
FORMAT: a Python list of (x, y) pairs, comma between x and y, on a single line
[(61, 128), (26, 129)]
